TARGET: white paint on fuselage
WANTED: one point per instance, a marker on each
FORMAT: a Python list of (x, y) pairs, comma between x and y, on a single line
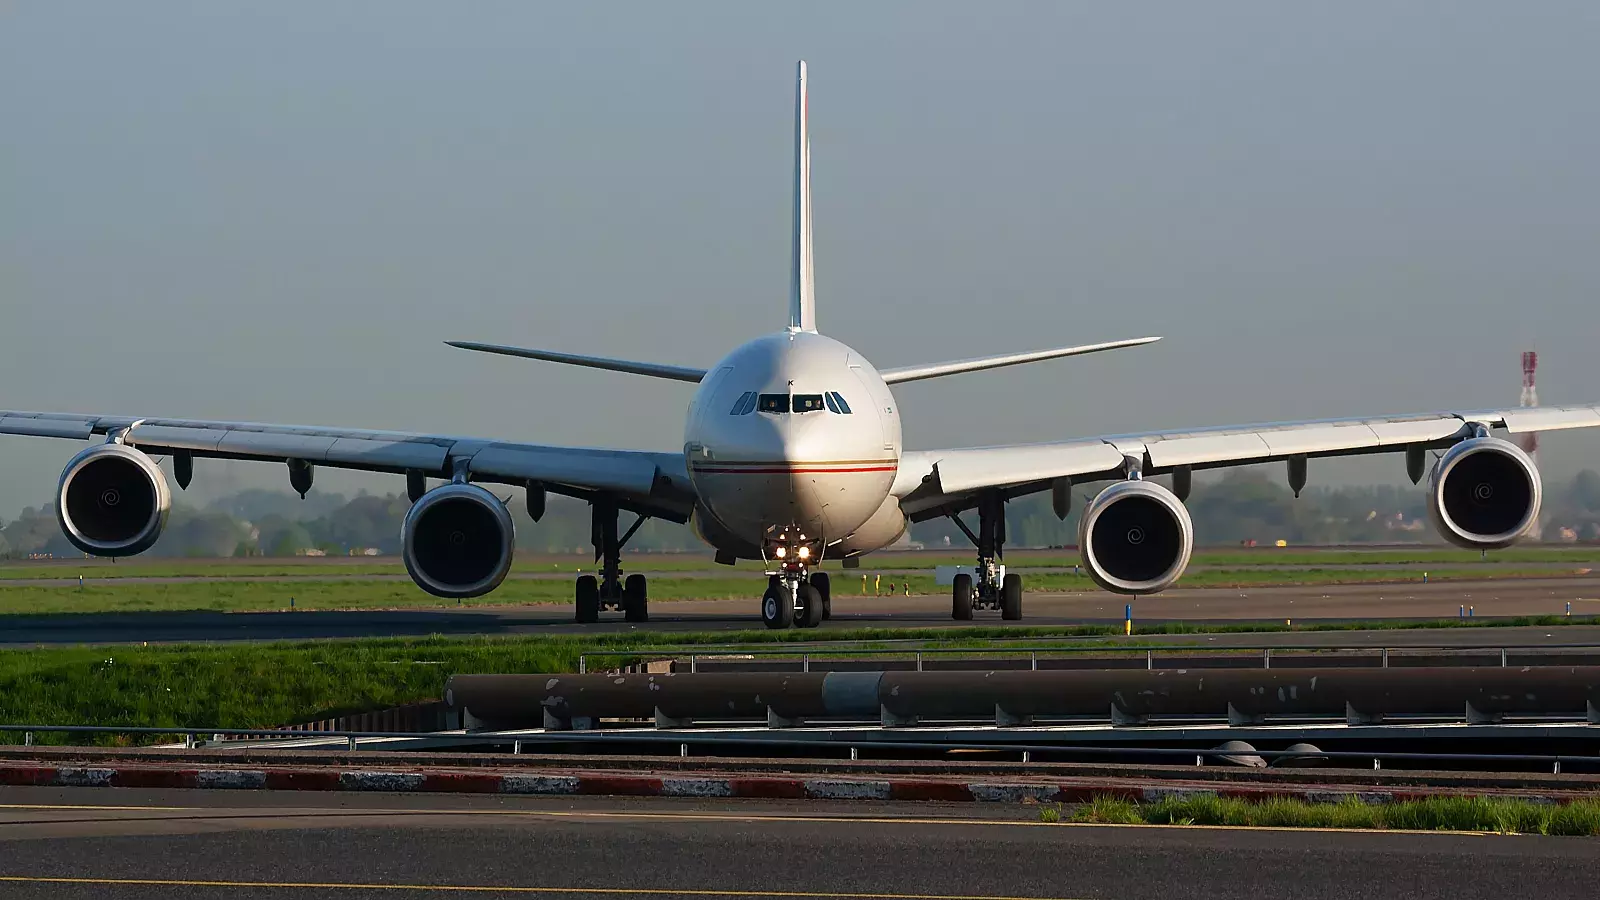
[(825, 472)]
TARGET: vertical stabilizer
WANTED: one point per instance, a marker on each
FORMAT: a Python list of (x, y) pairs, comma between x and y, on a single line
[(802, 287)]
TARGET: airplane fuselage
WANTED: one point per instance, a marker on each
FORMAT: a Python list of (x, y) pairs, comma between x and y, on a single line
[(795, 431)]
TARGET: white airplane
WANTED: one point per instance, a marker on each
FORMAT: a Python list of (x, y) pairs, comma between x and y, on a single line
[(792, 456)]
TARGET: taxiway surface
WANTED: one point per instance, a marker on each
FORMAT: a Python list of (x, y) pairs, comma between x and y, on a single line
[(116, 843)]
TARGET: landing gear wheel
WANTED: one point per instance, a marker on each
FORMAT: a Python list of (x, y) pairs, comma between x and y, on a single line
[(588, 600), (810, 615), (635, 599), (777, 610), (961, 598), (819, 580), (1011, 598)]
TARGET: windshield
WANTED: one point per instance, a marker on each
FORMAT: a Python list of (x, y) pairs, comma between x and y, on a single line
[(804, 403), (773, 403)]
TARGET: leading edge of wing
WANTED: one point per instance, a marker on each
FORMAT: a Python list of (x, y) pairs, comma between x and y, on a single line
[(955, 367), (975, 468), (658, 476), (632, 367)]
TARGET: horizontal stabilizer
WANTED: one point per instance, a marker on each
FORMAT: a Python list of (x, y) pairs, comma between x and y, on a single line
[(654, 370), (935, 370)]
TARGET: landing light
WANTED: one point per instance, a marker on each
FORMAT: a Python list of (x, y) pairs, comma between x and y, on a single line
[(781, 552), (805, 552)]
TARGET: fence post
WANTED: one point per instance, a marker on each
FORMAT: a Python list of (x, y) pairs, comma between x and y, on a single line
[(692, 664), (350, 743), (805, 662), (1502, 657), (583, 663), (1266, 658), (1149, 659), (1033, 660), (919, 660)]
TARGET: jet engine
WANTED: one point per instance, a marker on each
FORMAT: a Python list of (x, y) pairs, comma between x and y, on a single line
[(113, 501), (1483, 494), (457, 541), (1135, 537)]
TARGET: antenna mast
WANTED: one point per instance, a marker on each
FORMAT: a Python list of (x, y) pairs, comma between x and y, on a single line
[(1530, 397)]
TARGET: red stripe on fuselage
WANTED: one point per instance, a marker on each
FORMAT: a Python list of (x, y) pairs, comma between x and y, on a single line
[(789, 470)]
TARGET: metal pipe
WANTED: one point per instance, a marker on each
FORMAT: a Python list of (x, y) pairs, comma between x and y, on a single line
[(1365, 693)]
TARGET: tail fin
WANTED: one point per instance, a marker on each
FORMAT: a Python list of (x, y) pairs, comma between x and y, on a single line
[(802, 286)]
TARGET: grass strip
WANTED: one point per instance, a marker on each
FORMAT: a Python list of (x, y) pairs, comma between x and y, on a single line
[(694, 562), (1492, 814)]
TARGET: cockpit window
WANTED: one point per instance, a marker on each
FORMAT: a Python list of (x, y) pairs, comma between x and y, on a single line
[(804, 403), (749, 401)]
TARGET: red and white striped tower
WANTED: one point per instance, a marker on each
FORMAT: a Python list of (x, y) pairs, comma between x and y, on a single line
[(1530, 397)]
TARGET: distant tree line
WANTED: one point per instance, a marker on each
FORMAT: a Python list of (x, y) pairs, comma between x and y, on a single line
[(1243, 505)]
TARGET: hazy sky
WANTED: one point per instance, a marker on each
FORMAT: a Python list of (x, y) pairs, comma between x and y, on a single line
[(278, 211)]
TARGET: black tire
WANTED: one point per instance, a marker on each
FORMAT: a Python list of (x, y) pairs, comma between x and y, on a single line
[(636, 599), (810, 614), (777, 610), (961, 598), (1011, 598), (819, 580), (588, 600)]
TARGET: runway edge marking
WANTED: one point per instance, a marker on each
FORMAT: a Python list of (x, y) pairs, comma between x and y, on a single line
[(1070, 791)]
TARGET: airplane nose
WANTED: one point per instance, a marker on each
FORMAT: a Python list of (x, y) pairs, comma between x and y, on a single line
[(803, 442), (804, 439)]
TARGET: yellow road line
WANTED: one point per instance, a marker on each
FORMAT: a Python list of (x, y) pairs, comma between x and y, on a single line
[(487, 889)]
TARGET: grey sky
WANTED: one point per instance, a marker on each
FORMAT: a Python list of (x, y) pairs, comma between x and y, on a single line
[(278, 211)]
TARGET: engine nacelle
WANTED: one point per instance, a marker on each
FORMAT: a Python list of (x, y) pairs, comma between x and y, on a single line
[(1484, 494), (112, 501), (1135, 537), (457, 541)]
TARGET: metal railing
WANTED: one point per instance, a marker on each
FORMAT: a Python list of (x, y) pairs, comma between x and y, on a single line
[(519, 740), (696, 652)]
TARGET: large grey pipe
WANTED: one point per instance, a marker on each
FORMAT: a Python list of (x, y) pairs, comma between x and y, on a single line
[(520, 701)]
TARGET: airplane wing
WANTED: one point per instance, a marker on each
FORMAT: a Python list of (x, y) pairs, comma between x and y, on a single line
[(956, 367), (932, 483), (643, 481)]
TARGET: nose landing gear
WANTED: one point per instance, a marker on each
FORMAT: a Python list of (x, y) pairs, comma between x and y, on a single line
[(989, 587), (610, 590), (795, 595)]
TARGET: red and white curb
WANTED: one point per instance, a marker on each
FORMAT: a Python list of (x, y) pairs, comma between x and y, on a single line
[(305, 778)]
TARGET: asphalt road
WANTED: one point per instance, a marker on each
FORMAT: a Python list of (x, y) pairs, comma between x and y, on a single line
[(106, 843), (1364, 602)]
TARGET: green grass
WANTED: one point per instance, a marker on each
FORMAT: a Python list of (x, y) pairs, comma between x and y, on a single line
[(256, 596), (1493, 814), (263, 685), (696, 562)]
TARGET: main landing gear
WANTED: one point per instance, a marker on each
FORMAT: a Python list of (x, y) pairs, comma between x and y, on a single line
[(989, 589), (795, 595), (610, 590)]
